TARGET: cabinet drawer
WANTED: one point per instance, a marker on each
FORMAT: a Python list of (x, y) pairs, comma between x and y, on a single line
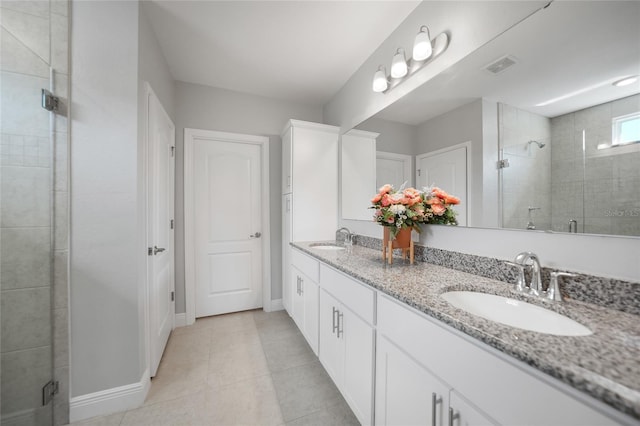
[(305, 264), (357, 297), (494, 382)]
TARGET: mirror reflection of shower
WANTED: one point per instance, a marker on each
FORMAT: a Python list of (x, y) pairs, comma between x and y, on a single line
[(569, 167), (540, 144)]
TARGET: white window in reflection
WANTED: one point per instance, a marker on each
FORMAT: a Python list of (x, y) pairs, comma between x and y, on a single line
[(625, 130)]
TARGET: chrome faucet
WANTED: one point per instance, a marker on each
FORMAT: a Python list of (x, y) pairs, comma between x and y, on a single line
[(553, 292), (348, 236), (535, 285)]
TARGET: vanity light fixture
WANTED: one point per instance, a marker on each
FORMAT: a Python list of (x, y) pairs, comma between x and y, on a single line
[(380, 82), (425, 50), (422, 45), (626, 81), (399, 64)]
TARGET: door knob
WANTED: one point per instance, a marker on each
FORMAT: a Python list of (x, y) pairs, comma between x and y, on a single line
[(256, 235), (157, 250)]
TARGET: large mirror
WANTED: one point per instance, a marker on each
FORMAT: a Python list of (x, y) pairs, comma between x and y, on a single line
[(547, 140)]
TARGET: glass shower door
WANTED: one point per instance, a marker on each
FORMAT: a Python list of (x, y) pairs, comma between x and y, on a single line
[(27, 159)]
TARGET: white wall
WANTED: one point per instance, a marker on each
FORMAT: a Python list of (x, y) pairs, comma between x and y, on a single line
[(461, 125), (469, 24), (104, 280), (153, 67), (394, 137), (209, 108)]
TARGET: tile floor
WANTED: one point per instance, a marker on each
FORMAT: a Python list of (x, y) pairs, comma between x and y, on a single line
[(247, 368)]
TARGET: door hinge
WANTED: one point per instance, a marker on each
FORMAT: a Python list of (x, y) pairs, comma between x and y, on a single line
[(173, 296), (171, 223), (419, 172), (150, 251), (49, 390), (173, 150), (503, 164), (50, 102)]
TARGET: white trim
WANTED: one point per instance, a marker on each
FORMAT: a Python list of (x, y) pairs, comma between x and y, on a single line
[(310, 125), (276, 305), (180, 320), (189, 232), (469, 154), (110, 401), (362, 133)]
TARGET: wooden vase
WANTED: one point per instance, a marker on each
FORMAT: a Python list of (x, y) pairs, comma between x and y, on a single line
[(402, 241)]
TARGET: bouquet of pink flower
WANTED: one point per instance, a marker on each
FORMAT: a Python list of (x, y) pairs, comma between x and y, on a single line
[(439, 206), (399, 209), (408, 208)]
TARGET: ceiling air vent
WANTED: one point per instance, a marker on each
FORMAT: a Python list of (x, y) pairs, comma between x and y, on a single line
[(501, 64)]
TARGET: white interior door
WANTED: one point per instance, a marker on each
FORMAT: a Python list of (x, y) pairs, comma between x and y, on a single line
[(392, 168), (227, 226), (160, 145), (446, 169)]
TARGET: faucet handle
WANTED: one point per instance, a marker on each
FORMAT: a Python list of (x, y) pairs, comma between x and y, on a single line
[(520, 283), (553, 292)]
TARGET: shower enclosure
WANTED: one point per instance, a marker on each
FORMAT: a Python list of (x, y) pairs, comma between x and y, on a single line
[(567, 173), (33, 213)]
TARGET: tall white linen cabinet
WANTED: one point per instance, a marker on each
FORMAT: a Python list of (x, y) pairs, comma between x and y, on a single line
[(309, 201)]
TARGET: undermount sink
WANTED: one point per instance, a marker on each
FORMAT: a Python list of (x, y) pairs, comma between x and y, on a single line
[(515, 313), (324, 246)]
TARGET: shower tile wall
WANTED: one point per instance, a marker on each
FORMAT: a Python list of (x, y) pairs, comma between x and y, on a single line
[(34, 37), (527, 180), (609, 178)]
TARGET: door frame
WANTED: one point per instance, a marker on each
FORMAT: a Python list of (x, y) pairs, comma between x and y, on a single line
[(189, 232), (146, 260), (468, 146)]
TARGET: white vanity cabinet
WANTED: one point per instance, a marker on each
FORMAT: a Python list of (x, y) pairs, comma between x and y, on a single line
[(304, 306), (347, 339), (483, 386), (406, 392), (309, 188)]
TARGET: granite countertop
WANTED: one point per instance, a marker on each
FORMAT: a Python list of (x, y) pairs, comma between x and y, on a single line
[(605, 365)]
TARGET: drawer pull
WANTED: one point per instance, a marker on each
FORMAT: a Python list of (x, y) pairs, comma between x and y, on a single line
[(434, 401), (335, 326), (452, 416)]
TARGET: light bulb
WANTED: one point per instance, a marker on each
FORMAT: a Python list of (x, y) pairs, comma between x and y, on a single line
[(626, 81), (380, 81), (422, 45), (399, 64)]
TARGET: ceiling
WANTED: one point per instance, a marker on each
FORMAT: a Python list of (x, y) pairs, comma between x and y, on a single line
[(302, 51), (571, 49)]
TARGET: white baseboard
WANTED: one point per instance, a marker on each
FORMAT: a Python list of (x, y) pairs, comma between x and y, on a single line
[(109, 401), (276, 305), (180, 320)]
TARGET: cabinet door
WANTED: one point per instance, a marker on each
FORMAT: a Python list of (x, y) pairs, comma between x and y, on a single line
[(405, 391), (310, 296), (331, 347), (315, 183), (297, 298), (465, 414), (358, 173), (358, 364)]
